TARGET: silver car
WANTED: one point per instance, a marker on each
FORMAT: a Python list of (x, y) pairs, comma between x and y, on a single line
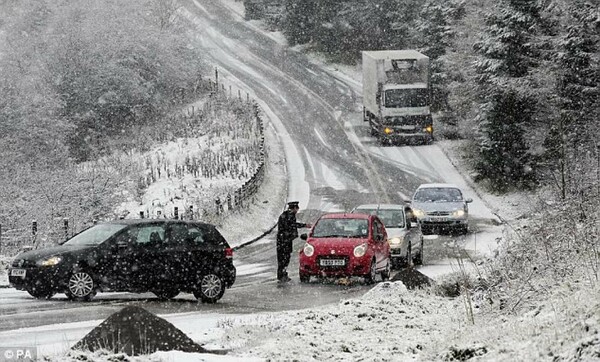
[(406, 242), (441, 207)]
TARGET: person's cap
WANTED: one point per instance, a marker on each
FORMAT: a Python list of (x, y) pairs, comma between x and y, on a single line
[(294, 204)]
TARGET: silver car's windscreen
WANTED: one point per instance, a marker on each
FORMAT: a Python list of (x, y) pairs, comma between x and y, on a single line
[(390, 218), (438, 194)]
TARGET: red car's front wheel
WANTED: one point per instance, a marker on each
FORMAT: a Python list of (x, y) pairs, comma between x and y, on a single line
[(370, 278)]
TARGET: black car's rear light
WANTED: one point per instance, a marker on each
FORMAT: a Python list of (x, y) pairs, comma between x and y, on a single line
[(229, 253)]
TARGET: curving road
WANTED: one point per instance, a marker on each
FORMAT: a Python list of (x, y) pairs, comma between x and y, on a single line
[(333, 162)]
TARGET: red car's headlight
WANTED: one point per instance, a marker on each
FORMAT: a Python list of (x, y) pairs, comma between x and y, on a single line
[(360, 250), (309, 250)]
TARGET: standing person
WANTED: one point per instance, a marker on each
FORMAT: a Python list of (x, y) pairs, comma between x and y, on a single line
[(287, 231)]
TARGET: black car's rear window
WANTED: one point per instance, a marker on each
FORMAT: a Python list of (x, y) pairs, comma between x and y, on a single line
[(212, 235), (198, 234)]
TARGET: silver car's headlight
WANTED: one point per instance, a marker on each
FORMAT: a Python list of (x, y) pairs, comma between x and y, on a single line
[(360, 250), (309, 250), (458, 213), (396, 241), (50, 261), (418, 213)]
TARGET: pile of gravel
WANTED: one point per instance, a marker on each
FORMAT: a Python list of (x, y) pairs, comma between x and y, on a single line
[(412, 278), (135, 331)]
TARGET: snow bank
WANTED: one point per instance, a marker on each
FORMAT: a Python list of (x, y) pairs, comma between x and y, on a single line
[(386, 323)]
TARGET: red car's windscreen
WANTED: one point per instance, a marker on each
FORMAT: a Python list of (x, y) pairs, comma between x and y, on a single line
[(341, 228)]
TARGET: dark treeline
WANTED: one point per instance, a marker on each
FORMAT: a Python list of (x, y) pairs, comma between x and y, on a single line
[(79, 80), (518, 78)]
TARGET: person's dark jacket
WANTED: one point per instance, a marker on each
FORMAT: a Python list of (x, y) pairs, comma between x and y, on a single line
[(287, 229)]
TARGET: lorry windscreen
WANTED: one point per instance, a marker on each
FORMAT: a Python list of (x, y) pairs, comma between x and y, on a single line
[(399, 98)]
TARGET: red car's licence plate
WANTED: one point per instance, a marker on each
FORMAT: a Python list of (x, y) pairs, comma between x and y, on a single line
[(333, 262)]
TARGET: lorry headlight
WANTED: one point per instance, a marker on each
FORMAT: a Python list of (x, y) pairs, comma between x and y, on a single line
[(388, 130), (360, 250), (50, 261), (309, 250)]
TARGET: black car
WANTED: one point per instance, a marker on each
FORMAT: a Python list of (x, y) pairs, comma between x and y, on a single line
[(164, 257)]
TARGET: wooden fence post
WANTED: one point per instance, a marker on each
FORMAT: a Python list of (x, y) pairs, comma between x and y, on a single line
[(66, 227), (217, 79)]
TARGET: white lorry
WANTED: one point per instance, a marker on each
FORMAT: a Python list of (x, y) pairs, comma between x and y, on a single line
[(396, 95)]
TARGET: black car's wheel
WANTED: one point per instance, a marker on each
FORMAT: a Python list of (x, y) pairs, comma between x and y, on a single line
[(210, 288), (370, 278), (40, 293), (166, 294), (81, 286), (304, 278)]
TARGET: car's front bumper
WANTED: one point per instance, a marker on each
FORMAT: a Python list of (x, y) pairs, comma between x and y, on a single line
[(442, 222), (353, 266), (404, 137), (397, 251), (49, 278)]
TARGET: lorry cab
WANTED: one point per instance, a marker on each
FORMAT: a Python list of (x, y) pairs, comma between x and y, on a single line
[(396, 95)]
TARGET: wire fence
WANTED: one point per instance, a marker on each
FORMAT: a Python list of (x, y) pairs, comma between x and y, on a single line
[(14, 237)]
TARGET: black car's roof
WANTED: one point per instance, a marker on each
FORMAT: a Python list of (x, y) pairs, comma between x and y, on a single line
[(152, 221)]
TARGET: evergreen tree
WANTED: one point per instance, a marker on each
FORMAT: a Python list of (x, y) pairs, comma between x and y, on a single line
[(436, 34), (506, 56), (575, 129), (298, 26), (504, 154), (507, 49), (326, 28)]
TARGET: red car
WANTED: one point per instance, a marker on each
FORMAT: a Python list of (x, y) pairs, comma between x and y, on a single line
[(346, 245)]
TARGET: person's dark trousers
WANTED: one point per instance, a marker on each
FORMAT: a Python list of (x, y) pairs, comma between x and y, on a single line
[(283, 260)]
